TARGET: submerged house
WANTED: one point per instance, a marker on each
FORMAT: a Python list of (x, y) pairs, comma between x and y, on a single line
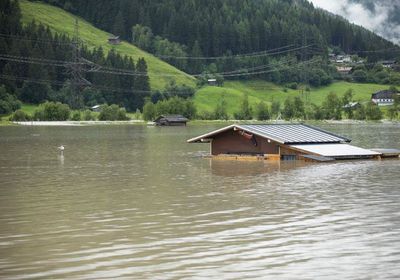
[(171, 120), (281, 141)]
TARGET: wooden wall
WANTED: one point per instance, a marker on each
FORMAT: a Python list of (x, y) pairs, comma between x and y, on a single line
[(231, 142)]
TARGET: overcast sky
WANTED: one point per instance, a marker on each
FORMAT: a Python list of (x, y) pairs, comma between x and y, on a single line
[(380, 16)]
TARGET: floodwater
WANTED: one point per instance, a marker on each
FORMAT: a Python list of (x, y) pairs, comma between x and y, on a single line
[(136, 202)]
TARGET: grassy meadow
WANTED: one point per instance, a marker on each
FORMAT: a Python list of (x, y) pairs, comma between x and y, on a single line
[(61, 21), (208, 97)]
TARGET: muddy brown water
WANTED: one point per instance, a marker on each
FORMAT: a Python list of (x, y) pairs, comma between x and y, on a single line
[(136, 202)]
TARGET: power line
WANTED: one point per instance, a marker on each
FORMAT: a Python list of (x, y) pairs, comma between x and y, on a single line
[(31, 61), (78, 66), (55, 82), (269, 52), (249, 55), (225, 56), (22, 38), (35, 59)]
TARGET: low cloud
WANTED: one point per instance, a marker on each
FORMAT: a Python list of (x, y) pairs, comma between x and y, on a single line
[(380, 16)]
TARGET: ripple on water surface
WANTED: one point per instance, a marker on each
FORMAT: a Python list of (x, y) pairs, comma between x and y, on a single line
[(138, 203)]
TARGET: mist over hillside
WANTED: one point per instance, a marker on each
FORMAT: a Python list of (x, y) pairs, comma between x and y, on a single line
[(380, 16)]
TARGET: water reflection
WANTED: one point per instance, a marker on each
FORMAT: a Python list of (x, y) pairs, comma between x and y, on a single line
[(61, 158), (233, 168)]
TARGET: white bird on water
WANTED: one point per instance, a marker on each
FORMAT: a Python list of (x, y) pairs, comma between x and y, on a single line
[(61, 149)]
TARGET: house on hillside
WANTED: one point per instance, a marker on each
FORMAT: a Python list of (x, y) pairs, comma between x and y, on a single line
[(343, 58), (280, 142), (96, 108), (212, 82), (384, 97), (344, 70), (388, 63), (171, 120), (114, 40), (352, 105)]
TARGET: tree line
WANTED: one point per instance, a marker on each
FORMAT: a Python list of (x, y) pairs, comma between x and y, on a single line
[(44, 75), (56, 111)]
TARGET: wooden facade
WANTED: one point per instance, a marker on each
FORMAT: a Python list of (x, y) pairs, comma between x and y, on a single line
[(280, 142), (232, 142)]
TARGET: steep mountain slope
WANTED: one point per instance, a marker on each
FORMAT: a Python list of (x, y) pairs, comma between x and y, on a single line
[(61, 21), (228, 25)]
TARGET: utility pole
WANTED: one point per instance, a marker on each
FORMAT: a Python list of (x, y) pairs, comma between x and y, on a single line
[(304, 69), (304, 57), (76, 72)]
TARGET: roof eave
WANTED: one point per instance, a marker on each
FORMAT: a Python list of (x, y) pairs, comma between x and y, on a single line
[(261, 135), (200, 138)]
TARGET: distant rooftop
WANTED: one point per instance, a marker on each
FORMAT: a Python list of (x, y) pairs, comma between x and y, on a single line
[(172, 118), (384, 94)]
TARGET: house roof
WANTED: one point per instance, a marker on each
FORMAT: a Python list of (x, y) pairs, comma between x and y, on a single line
[(388, 62), (336, 150), (384, 94), (351, 105), (281, 133), (172, 118)]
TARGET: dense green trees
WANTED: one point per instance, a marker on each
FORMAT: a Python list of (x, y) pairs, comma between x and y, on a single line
[(8, 102), (332, 107), (394, 110), (219, 26), (373, 112), (262, 112), (112, 113), (245, 112), (45, 78), (20, 116), (175, 105), (376, 73), (220, 112), (346, 100), (52, 111), (183, 32)]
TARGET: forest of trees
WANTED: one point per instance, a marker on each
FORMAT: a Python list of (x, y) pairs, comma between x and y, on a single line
[(33, 67), (181, 31)]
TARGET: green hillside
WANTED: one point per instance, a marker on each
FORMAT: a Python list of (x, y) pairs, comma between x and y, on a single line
[(232, 91), (63, 22)]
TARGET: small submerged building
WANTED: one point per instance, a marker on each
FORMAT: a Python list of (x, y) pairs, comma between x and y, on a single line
[(171, 120), (281, 142)]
